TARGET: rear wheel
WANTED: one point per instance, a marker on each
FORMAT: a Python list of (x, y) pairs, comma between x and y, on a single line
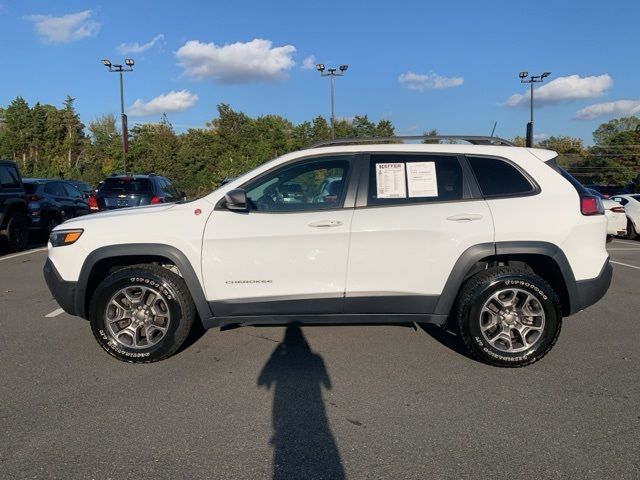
[(508, 317), (17, 232), (631, 231), (141, 314)]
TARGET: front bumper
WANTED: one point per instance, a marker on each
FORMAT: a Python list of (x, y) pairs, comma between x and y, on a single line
[(590, 291), (64, 292)]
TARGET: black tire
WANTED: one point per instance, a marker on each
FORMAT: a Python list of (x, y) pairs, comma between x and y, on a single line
[(52, 222), (17, 232), (480, 288), (178, 304), (631, 231)]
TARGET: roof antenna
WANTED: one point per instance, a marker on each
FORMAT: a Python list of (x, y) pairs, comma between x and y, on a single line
[(495, 124)]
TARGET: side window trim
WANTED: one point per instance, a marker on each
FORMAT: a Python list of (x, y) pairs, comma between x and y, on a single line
[(363, 190), (535, 187)]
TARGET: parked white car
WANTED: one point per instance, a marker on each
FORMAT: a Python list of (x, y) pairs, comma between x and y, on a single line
[(616, 216), (405, 233), (631, 204)]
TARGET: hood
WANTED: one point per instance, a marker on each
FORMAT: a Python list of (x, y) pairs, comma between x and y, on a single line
[(115, 214)]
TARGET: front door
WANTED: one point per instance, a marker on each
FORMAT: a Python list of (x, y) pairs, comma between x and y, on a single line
[(288, 254)]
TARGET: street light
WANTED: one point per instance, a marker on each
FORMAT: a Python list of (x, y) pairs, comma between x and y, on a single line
[(125, 134), (331, 73), (532, 79)]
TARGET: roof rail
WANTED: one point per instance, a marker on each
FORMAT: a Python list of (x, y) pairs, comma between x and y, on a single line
[(473, 140)]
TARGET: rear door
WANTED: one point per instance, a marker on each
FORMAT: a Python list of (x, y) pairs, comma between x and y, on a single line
[(415, 217), (60, 198), (80, 204)]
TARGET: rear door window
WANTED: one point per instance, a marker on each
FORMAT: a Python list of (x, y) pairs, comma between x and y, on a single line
[(396, 179), (72, 191), (498, 178), (56, 189)]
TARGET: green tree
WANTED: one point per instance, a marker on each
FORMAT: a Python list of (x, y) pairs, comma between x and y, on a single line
[(74, 132), (430, 133), (18, 121)]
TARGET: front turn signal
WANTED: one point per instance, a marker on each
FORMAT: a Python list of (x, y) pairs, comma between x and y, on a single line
[(60, 238)]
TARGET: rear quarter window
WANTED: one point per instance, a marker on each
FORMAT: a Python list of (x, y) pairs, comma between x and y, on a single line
[(498, 178)]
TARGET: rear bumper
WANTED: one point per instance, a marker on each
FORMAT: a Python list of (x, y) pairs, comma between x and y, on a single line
[(64, 292), (590, 291)]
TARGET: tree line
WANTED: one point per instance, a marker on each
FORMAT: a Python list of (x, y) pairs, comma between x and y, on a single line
[(47, 141)]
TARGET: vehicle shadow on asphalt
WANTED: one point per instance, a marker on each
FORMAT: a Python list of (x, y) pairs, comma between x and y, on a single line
[(302, 441), (447, 337)]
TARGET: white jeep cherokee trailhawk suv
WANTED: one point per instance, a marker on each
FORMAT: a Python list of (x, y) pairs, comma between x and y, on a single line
[(495, 239)]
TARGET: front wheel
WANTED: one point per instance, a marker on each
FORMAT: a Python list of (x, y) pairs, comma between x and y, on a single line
[(509, 317), (141, 314)]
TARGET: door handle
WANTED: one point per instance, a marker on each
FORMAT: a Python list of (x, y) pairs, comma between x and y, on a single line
[(325, 223), (465, 217)]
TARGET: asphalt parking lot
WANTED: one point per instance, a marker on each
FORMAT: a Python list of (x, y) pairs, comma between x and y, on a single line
[(320, 402)]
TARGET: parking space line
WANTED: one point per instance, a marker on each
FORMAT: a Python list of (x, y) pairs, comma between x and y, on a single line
[(55, 313), (626, 265), (28, 252)]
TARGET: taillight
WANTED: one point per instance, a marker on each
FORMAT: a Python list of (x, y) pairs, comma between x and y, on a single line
[(155, 200), (93, 203), (591, 205), (618, 210)]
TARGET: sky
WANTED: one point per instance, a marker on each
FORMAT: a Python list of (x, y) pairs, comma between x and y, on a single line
[(452, 66)]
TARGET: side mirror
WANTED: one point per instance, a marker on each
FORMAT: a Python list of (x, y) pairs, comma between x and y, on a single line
[(236, 200)]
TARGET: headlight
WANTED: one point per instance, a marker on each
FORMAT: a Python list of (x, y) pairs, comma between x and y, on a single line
[(60, 238)]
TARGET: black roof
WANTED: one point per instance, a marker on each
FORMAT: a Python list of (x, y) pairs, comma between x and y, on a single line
[(134, 176), (41, 180)]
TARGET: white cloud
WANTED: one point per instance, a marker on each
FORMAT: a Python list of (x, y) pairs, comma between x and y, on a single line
[(617, 108), (237, 62), (66, 28), (309, 63), (421, 81), (167, 102), (135, 47), (564, 89)]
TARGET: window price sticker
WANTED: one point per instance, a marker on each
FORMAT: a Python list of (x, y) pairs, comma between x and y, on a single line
[(422, 179), (390, 180)]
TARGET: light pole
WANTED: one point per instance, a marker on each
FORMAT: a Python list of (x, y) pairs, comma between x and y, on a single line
[(125, 131), (532, 79), (331, 73)]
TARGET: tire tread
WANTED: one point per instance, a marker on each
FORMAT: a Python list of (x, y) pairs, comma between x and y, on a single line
[(180, 289), (468, 295)]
